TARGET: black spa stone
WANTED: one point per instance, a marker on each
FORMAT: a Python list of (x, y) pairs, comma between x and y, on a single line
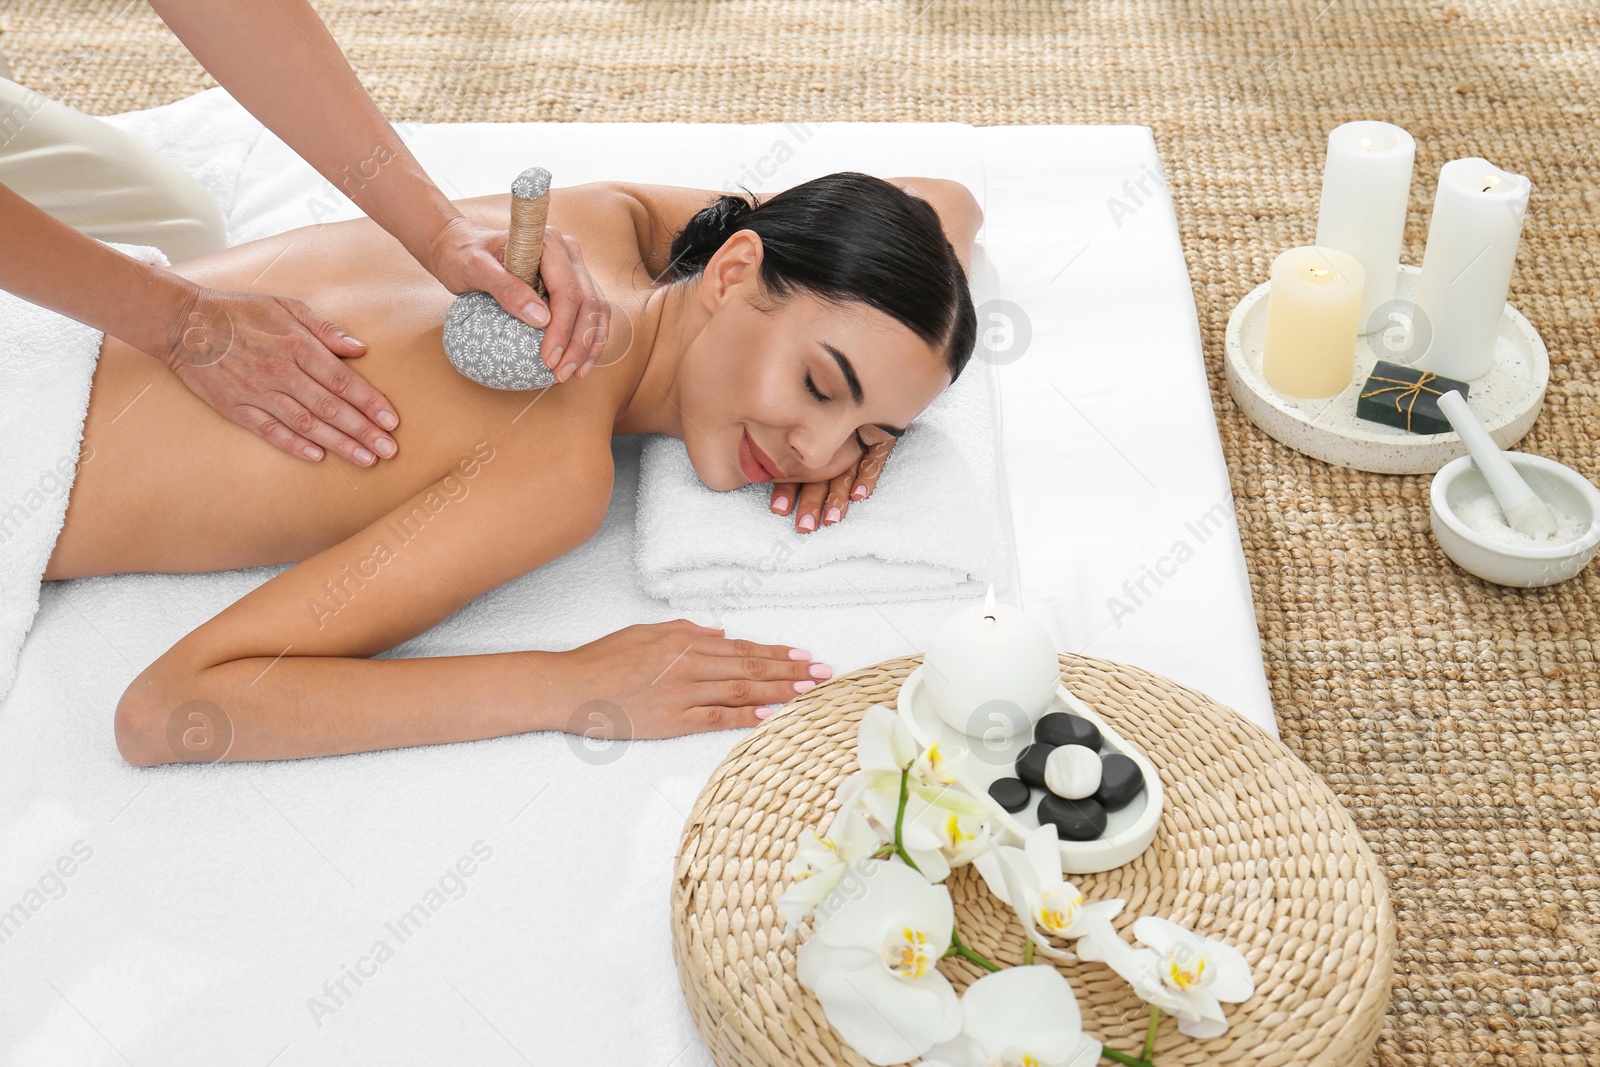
[(1074, 820), (1010, 793), (1060, 728), (1120, 781), (1030, 765)]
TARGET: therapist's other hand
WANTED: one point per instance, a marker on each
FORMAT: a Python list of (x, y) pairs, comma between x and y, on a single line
[(468, 255), (812, 503), (275, 367)]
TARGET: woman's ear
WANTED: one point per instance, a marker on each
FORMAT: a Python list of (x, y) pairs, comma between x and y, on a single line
[(737, 263)]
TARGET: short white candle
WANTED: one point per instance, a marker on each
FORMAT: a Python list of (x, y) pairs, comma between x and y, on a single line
[(1466, 266), (1313, 303), (991, 670), (1366, 185)]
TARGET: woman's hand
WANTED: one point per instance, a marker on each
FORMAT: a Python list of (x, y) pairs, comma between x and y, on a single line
[(466, 255), (665, 679), (273, 366), (814, 502)]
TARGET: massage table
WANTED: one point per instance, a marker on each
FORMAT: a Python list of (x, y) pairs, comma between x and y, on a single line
[(506, 901)]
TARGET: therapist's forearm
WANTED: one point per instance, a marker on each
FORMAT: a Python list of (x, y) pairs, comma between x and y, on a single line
[(280, 62), (49, 263)]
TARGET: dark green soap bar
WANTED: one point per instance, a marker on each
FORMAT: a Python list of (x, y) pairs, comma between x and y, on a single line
[(1406, 397)]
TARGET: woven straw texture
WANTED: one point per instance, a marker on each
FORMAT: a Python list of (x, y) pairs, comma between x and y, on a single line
[(1253, 849), (1456, 720)]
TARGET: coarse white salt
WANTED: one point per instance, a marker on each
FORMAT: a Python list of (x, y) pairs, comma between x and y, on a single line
[(1482, 512)]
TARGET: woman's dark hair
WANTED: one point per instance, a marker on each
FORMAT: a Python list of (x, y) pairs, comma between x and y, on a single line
[(847, 237)]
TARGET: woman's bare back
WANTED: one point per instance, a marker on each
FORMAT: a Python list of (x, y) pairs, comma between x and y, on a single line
[(165, 483)]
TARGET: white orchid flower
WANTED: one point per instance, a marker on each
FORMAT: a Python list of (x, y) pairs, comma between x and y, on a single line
[(938, 839), (821, 861), (872, 965), (1030, 880), (1018, 1017), (1181, 972), (884, 746)]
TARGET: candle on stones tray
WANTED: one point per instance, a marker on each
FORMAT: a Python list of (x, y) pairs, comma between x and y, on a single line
[(991, 670)]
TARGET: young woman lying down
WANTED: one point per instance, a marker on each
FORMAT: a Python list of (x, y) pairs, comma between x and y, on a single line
[(791, 342)]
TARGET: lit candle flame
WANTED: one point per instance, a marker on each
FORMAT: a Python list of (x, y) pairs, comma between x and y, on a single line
[(1320, 272), (1366, 144), (1489, 182), (988, 603)]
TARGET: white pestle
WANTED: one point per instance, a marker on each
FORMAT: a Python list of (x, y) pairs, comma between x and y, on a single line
[(1525, 510), (484, 341)]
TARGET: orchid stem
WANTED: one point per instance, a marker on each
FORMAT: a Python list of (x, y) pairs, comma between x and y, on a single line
[(900, 817), (1122, 1057), (1150, 1033), (1027, 952), (976, 957), (956, 944)]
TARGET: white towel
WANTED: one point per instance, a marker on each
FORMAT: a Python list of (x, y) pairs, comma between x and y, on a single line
[(47, 364), (933, 526)]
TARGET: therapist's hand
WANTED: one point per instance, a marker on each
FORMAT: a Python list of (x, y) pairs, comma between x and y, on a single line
[(810, 502), (467, 255), (274, 366)]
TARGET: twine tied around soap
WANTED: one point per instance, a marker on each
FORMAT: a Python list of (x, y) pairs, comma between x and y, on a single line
[(1411, 392)]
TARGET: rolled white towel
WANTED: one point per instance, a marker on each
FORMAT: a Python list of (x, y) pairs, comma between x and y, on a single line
[(47, 365), (933, 526)]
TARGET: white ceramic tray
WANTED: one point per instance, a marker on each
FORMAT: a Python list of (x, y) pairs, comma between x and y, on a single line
[(1129, 830), (1507, 398)]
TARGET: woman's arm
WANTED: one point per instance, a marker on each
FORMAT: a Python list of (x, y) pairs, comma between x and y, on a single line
[(277, 58), (285, 667), (279, 61)]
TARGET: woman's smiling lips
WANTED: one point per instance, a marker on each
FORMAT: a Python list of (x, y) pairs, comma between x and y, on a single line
[(756, 466)]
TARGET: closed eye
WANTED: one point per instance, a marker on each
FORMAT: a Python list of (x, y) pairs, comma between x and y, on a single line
[(824, 399)]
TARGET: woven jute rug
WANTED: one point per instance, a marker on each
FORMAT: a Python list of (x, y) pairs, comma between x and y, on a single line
[(1456, 720)]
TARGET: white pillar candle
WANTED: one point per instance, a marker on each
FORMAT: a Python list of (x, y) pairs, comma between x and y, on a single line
[(991, 671), (1466, 266), (1313, 308), (1366, 185)]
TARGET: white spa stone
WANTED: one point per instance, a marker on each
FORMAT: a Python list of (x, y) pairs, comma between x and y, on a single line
[(1072, 772)]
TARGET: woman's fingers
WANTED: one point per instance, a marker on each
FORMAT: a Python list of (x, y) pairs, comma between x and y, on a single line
[(808, 506), (318, 429), (740, 648), (819, 504), (578, 313), (273, 365), (334, 339), (596, 313), (870, 469), (743, 676), (836, 498), (279, 436), (783, 496)]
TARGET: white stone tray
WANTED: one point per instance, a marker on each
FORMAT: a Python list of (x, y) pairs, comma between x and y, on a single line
[(1129, 830), (1507, 398)]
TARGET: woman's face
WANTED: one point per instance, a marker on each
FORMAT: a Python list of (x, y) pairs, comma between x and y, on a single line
[(749, 373)]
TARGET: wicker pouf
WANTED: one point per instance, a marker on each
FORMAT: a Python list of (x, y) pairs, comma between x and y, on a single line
[(1253, 849)]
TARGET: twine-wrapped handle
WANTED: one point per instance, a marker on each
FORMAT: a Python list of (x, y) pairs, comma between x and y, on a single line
[(530, 206)]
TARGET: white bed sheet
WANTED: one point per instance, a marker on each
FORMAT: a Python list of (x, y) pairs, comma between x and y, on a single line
[(216, 905)]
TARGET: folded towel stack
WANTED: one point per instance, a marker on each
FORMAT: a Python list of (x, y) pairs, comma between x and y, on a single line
[(933, 527)]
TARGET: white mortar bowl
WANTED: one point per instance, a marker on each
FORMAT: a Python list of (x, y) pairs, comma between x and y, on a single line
[(1527, 566)]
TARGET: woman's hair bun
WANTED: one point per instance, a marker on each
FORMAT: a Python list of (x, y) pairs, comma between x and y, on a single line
[(706, 232)]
